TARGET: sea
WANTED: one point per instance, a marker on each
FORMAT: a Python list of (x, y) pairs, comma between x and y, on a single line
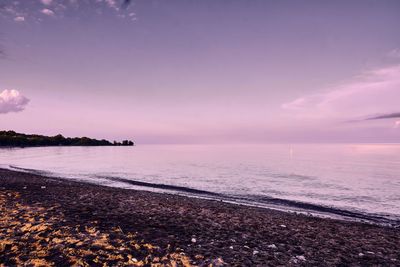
[(345, 181)]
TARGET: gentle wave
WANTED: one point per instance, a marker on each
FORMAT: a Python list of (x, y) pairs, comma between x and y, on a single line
[(355, 180), (249, 200)]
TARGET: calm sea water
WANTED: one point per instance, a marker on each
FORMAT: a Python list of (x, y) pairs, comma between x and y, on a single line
[(360, 178)]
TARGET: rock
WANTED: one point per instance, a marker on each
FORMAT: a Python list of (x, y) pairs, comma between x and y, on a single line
[(370, 252), (218, 263), (199, 257), (194, 240), (272, 246), (231, 247), (255, 252), (360, 254), (246, 247), (301, 258), (282, 225), (298, 259)]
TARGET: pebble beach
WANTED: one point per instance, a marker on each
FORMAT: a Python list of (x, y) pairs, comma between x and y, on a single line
[(57, 222)]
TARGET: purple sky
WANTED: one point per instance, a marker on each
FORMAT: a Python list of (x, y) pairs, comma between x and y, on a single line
[(202, 71)]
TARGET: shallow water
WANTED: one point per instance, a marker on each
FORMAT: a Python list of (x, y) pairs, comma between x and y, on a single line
[(362, 178)]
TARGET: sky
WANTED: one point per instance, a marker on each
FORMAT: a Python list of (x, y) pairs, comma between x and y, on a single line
[(228, 71)]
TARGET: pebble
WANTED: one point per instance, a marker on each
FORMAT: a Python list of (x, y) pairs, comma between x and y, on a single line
[(259, 256), (302, 258), (218, 262), (370, 252), (43, 187), (298, 259)]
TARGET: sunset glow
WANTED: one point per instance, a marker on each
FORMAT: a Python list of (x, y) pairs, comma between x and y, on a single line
[(209, 72)]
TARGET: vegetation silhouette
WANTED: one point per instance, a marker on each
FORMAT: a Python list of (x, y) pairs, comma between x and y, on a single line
[(13, 139)]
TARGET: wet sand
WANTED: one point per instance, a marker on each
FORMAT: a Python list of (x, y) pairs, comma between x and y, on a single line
[(47, 221)]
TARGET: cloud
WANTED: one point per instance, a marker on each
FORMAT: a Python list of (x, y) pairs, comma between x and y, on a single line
[(376, 117), (46, 2), (48, 12), (112, 4), (126, 3), (19, 19), (12, 101), (385, 116), (19, 11), (373, 92)]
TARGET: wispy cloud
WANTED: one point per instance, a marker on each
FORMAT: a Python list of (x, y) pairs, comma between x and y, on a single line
[(46, 2), (12, 101), (373, 92), (19, 11), (112, 4), (385, 116), (47, 12), (376, 117), (19, 19)]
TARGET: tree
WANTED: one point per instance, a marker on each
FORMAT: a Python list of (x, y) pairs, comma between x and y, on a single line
[(11, 138)]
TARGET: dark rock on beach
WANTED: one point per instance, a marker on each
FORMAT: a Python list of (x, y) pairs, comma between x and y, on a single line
[(48, 221)]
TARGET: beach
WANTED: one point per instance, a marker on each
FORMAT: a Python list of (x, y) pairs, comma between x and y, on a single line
[(52, 221)]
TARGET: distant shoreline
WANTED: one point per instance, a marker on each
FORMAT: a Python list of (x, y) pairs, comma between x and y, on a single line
[(78, 222), (14, 139)]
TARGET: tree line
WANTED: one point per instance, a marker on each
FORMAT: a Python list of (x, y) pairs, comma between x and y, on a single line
[(11, 139)]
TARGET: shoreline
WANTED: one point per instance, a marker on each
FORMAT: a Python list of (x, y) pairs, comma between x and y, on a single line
[(264, 202), (132, 227)]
